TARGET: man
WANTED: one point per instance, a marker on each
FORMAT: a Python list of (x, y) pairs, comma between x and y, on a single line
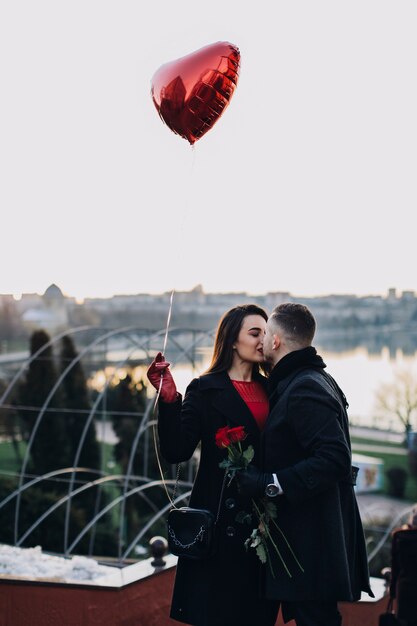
[(307, 473)]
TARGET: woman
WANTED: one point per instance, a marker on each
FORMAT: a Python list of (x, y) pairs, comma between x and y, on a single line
[(223, 589)]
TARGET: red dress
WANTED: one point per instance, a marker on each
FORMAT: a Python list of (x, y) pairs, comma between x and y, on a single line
[(256, 399)]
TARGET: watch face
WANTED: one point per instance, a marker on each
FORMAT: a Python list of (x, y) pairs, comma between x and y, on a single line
[(271, 490)]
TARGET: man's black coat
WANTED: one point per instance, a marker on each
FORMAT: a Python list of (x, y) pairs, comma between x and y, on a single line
[(306, 443)]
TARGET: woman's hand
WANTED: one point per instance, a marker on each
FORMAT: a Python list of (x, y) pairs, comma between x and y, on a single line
[(159, 368)]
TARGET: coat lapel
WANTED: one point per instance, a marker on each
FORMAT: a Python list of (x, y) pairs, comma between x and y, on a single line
[(227, 401)]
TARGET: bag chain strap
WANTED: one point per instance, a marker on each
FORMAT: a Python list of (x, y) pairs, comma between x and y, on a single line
[(199, 536), (174, 492), (177, 542)]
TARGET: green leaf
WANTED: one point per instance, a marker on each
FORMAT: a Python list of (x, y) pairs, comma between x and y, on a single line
[(248, 454), (261, 553)]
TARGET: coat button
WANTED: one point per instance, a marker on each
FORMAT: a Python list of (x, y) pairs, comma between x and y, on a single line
[(230, 503), (230, 531)]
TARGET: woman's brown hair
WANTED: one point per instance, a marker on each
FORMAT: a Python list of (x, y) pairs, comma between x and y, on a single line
[(226, 335)]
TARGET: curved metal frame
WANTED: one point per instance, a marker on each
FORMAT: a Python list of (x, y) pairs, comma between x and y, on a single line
[(39, 479), (62, 500), (84, 433), (108, 507), (143, 428), (57, 384)]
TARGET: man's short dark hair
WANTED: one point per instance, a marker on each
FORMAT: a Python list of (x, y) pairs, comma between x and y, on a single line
[(297, 322)]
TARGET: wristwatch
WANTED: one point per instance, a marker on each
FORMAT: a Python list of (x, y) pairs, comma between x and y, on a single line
[(273, 489)]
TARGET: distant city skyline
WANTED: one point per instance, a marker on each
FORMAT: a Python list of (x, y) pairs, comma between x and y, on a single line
[(54, 311), (393, 291), (306, 184)]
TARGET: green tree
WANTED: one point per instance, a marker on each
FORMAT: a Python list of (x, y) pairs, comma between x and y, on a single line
[(50, 450), (76, 397), (10, 425), (126, 402)]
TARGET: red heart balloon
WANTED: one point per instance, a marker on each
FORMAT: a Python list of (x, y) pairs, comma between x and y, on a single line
[(190, 94)]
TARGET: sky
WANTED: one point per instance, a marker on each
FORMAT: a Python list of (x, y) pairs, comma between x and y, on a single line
[(306, 184)]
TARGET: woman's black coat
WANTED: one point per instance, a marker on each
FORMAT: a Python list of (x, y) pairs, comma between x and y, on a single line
[(306, 443), (222, 590)]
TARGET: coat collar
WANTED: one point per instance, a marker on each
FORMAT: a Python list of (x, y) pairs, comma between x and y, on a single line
[(228, 401), (281, 385), (289, 367), (293, 361)]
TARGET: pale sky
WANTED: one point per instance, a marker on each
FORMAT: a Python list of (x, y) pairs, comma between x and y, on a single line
[(306, 184)]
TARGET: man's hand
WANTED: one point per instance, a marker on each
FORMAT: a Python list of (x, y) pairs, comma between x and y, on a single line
[(252, 482), (159, 368)]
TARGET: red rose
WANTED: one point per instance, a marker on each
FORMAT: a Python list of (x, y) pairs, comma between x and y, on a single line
[(237, 434), (222, 437)]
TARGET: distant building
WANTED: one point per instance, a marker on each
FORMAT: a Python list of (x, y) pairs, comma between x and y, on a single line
[(49, 312)]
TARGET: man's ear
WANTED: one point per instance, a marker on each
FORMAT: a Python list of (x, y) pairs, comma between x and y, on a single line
[(276, 342)]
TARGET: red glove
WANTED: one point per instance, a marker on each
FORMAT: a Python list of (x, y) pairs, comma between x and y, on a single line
[(157, 369)]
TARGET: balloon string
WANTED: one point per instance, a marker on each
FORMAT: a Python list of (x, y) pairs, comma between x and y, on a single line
[(171, 300), (158, 393), (180, 248)]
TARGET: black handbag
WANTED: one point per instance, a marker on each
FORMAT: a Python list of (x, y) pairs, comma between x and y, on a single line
[(191, 532)]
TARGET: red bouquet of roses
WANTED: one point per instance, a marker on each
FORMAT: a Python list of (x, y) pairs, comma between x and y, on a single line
[(264, 512), (237, 458)]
